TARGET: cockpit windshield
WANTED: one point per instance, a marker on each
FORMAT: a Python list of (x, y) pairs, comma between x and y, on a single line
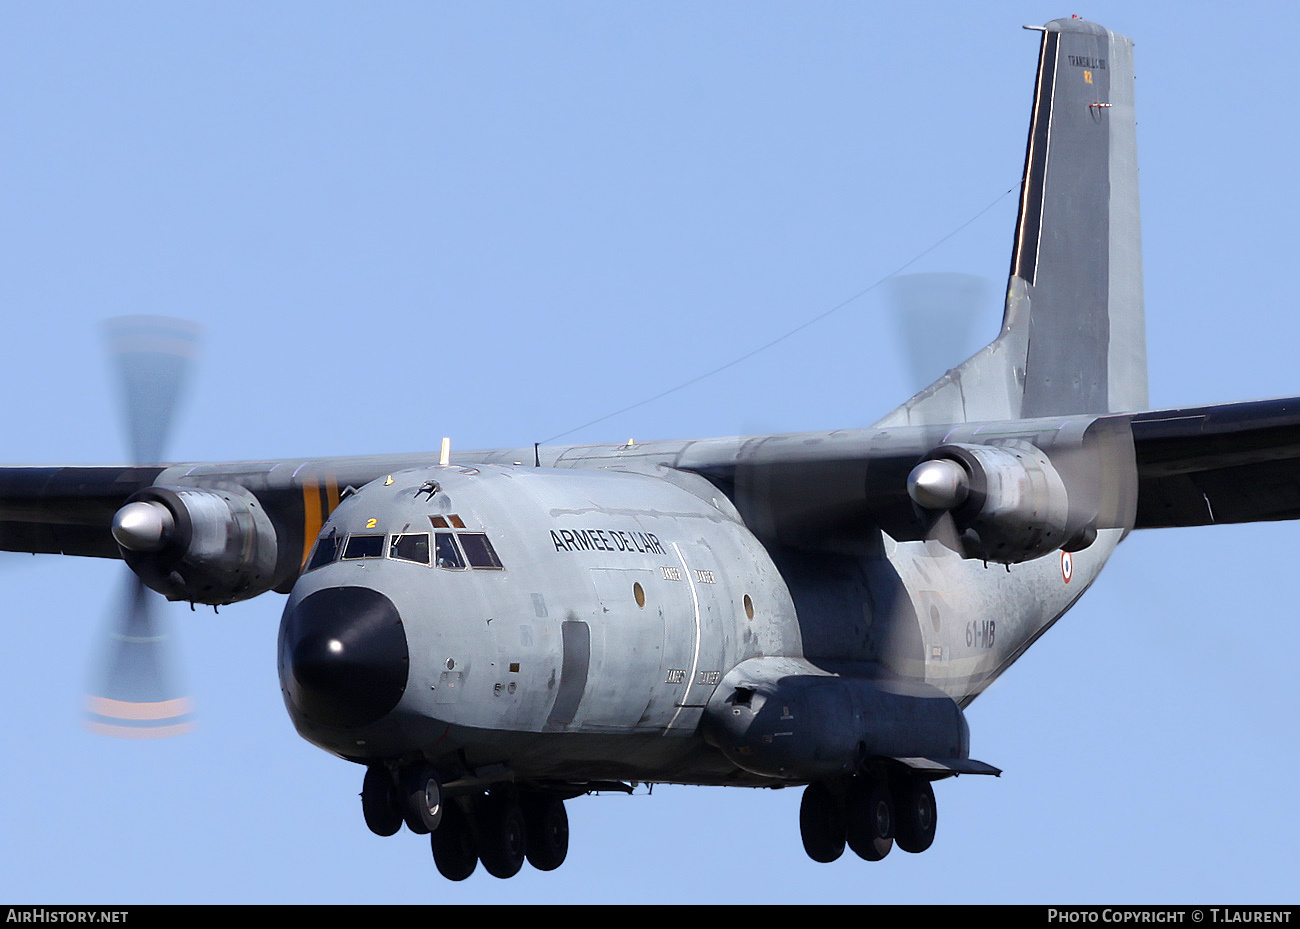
[(364, 546), (453, 550), (410, 546)]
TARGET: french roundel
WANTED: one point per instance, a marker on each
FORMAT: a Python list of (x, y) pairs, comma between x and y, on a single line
[(1067, 566)]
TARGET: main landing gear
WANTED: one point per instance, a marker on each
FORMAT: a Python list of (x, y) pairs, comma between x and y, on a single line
[(869, 812), (502, 827)]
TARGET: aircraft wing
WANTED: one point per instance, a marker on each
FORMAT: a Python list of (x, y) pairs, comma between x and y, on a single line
[(69, 509), (65, 510), (1198, 466), (1227, 463)]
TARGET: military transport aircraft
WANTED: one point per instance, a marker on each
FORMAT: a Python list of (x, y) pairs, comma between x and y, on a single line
[(491, 634)]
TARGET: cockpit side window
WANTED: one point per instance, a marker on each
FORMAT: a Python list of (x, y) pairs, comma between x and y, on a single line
[(364, 546), (413, 546), (479, 550), (326, 551), (446, 552)]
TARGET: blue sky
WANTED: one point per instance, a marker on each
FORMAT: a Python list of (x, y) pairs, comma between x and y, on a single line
[(497, 221)]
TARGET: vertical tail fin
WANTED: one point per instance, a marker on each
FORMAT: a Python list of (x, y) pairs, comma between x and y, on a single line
[(1073, 333)]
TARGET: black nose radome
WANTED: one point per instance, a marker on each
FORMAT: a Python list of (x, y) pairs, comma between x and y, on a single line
[(343, 656)]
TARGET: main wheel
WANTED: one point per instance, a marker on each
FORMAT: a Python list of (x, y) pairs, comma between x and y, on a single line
[(454, 852), (917, 815), (502, 835), (422, 799), (379, 801), (821, 823), (547, 826), (870, 818)]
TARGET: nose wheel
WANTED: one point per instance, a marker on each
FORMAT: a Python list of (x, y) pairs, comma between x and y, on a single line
[(412, 796), (421, 797), (379, 801)]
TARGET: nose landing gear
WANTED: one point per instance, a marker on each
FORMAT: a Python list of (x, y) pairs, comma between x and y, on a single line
[(412, 796), (421, 799), (379, 802)]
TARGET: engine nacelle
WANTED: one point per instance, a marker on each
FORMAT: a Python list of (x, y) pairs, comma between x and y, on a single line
[(1007, 502), (201, 544)]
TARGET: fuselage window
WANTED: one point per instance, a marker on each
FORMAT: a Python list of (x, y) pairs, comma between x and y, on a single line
[(410, 547), (479, 550), (446, 553), (327, 549), (364, 546)]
